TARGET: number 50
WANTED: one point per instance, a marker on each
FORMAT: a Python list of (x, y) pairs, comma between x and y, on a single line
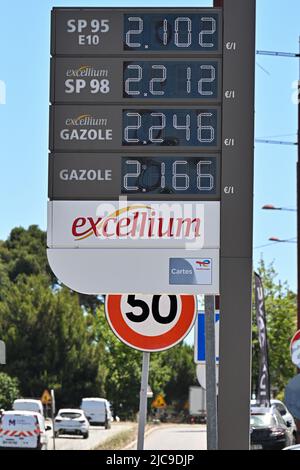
[(155, 309)]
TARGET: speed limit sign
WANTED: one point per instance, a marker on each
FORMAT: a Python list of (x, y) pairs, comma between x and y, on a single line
[(151, 323)]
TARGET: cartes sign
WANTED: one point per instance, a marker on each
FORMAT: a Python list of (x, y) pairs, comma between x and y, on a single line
[(151, 323)]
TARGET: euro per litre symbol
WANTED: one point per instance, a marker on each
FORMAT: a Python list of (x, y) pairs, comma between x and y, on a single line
[(151, 323)]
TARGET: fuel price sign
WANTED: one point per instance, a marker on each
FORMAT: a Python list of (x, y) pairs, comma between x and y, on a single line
[(136, 116)]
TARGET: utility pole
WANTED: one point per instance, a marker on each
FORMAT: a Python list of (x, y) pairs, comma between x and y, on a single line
[(298, 200), (284, 54), (264, 141)]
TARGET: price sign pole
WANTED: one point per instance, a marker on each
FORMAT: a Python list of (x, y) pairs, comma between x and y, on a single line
[(143, 401), (211, 382), (236, 223)]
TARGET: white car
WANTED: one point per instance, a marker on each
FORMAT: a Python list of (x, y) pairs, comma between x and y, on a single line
[(97, 411), (284, 412), (71, 421), (28, 404), (23, 430), (288, 418)]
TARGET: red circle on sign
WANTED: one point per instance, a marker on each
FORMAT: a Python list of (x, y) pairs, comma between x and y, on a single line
[(295, 337), (146, 343)]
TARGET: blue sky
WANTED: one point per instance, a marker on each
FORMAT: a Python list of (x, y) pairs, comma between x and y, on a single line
[(24, 67)]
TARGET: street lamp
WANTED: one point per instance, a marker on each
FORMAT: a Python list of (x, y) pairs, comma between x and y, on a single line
[(279, 240), (271, 207)]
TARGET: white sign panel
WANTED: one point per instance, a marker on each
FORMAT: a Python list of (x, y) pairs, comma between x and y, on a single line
[(155, 271), (128, 224)]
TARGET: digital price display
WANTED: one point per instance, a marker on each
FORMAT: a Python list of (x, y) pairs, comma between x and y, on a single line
[(165, 127), (174, 79), (171, 32), (106, 176), (169, 175)]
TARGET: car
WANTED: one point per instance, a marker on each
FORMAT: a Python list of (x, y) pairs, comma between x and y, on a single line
[(71, 421), (28, 404), (97, 411), (23, 430), (269, 430), (282, 409), (288, 418), (295, 447)]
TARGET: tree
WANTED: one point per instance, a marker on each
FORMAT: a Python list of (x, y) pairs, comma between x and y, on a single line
[(48, 342), (180, 361), (9, 391), (280, 304)]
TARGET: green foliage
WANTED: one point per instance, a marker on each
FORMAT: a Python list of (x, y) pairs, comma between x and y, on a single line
[(9, 390), (280, 304), (59, 339)]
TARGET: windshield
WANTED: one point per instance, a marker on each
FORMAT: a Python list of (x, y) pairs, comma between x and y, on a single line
[(70, 415), (262, 421)]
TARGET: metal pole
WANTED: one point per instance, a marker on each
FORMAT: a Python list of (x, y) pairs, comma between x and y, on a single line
[(52, 416), (298, 203), (298, 229), (143, 401), (211, 383), (236, 225)]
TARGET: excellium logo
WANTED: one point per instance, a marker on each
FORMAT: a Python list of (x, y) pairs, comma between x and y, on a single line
[(137, 221), (87, 71), (86, 127)]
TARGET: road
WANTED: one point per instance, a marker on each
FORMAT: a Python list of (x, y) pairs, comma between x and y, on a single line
[(97, 436), (176, 437)]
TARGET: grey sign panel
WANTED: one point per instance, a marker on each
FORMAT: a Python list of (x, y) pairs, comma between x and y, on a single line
[(102, 80), (236, 223), (2, 353), (138, 177), (238, 135), (92, 128), (102, 31)]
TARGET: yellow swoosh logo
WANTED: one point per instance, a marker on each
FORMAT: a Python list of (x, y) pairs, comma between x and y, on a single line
[(114, 214)]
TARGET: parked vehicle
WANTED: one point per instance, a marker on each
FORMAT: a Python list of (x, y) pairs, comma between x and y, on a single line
[(268, 430), (97, 411), (29, 404), (295, 447), (23, 430), (71, 421), (197, 404), (288, 418), (282, 409)]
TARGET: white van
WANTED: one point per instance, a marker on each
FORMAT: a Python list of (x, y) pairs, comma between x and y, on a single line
[(29, 404), (23, 430), (97, 411)]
